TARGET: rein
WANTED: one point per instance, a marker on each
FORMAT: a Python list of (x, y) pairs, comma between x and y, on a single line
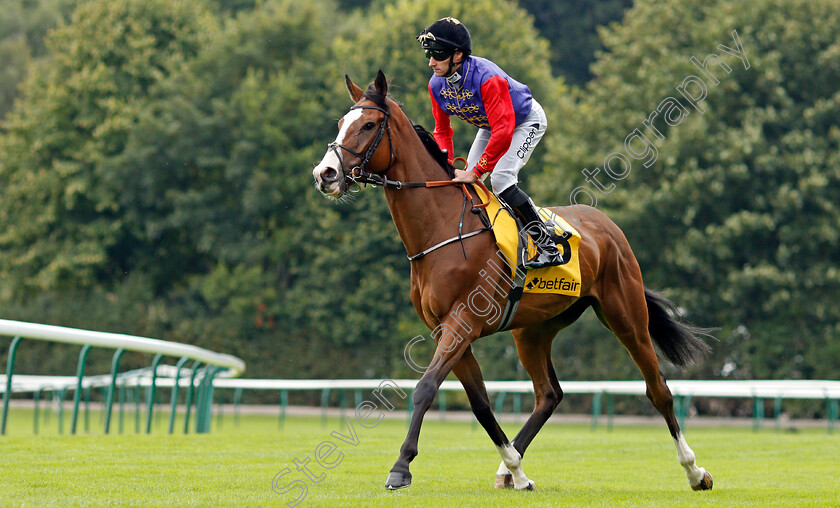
[(359, 176), (476, 209)]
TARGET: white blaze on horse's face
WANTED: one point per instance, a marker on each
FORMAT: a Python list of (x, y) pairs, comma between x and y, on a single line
[(328, 173)]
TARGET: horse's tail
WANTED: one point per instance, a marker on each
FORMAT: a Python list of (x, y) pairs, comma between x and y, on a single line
[(680, 342)]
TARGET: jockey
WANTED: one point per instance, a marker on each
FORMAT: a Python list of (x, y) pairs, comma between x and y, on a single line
[(510, 123)]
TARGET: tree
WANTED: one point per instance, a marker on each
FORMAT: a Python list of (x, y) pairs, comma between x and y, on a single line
[(23, 25), (736, 213), (230, 141), (60, 209), (571, 27)]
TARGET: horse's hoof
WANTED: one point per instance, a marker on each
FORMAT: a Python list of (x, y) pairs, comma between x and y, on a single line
[(504, 481), (530, 486), (705, 483), (397, 480)]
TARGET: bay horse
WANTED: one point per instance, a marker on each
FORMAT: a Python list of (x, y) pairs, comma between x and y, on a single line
[(377, 144)]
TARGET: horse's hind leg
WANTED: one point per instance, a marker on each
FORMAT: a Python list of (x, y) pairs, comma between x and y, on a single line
[(624, 310), (533, 344), (469, 373)]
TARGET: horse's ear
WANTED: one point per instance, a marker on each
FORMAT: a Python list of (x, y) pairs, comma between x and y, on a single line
[(381, 84), (356, 93)]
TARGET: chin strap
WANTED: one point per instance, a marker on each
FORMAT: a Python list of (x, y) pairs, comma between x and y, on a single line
[(453, 77)]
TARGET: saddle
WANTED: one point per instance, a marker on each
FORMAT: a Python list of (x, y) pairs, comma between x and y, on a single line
[(515, 245)]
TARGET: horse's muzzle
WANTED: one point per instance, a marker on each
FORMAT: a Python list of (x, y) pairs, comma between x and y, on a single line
[(329, 181)]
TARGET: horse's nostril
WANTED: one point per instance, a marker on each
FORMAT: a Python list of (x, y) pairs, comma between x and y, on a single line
[(329, 175)]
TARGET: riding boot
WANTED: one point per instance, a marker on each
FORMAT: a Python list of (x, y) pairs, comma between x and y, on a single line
[(547, 253)]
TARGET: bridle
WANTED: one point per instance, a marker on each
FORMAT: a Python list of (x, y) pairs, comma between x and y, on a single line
[(359, 175)]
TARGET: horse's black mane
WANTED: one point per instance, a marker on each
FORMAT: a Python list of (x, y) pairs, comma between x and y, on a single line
[(425, 136), (433, 149)]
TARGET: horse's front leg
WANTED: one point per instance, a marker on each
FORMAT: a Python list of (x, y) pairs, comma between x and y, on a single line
[(452, 344), (469, 372)]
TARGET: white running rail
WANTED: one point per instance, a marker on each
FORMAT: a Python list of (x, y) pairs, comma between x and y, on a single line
[(52, 333)]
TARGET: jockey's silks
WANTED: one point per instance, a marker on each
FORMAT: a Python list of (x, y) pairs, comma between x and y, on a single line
[(466, 102)]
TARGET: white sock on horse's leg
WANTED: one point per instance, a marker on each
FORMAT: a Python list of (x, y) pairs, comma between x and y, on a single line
[(686, 457), (513, 461)]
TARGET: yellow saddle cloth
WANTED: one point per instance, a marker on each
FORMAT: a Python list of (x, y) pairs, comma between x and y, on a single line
[(562, 279)]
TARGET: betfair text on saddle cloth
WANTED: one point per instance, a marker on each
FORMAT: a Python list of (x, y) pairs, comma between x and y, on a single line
[(563, 278)]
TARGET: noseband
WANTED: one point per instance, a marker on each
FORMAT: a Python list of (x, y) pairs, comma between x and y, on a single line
[(358, 174)]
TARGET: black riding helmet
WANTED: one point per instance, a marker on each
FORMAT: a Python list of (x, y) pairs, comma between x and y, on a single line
[(446, 35)]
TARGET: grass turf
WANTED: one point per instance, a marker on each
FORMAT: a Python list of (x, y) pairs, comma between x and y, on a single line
[(571, 465)]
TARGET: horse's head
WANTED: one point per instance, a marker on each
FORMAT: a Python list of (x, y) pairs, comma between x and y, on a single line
[(361, 149)]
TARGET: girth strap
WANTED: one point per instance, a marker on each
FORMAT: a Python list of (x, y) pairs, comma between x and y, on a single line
[(515, 292)]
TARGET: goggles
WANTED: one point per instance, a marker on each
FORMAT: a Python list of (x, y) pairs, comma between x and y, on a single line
[(438, 54)]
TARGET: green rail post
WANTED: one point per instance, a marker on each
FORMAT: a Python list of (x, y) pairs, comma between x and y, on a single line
[(77, 396), (517, 405), (37, 396), (199, 399), (155, 363), (409, 408), (204, 388), (190, 391), (87, 409), (777, 413), (138, 397), (686, 409), (47, 412), (201, 402), (833, 410), (207, 406), (342, 402), (325, 400), (122, 389), (610, 412), (207, 409), (758, 413), (678, 404), (199, 394), (62, 394), (10, 369), (212, 398), (500, 402), (441, 405), (115, 363), (596, 409), (683, 403), (237, 399), (284, 401), (174, 398)]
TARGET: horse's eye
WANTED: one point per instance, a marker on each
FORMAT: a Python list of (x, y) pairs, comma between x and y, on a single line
[(369, 126)]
